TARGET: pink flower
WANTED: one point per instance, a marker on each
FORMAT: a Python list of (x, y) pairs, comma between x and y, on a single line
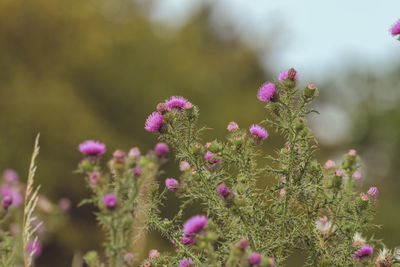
[(153, 254), (352, 152), (92, 148), (255, 258), (186, 262), (184, 166), (65, 204), (330, 164), (223, 190), (395, 30), (364, 253), (373, 191), (177, 102), (10, 176), (232, 126), (266, 92), (285, 75), (194, 225), (161, 149), (171, 184), (212, 158), (258, 132), (110, 200), (154, 122), (134, 153), (357, 176), (13, 193)]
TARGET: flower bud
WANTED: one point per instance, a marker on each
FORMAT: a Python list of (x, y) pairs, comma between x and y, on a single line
[(7, 201), (232, 126), (240, 201), (162, 108), (119, 156), (363, 202), (309, 91), (241, 188), (215, 146), (196, 148), (299, 125), (134, 153)]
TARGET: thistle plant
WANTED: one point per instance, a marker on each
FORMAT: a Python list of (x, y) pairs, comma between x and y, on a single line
[(122, 196), (318, 211)]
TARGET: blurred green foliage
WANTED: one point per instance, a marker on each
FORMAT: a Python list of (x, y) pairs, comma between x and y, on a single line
[(74, 70)]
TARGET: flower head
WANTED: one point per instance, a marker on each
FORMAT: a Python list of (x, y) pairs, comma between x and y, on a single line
[(358, 240), (171, 184), (13, 193), (232, 126), (94, 178), (330, 164), (128, 258), (7, 201), (357, 175), (255, 258), (161, 149), (258, 132), (288, 74), (11, 176), (184, 166), (383, 259), (212, 158), (34, 248), (395, 30), (92, 148), (266, 92), (119, 156), (176, 102), (223, 190), (186, 262), (110, 200), (154, 122), (352, 152), (373, 191), (324, 226), (194, 225), (187, 240), (153, 254), (134, 153), (364, 253)]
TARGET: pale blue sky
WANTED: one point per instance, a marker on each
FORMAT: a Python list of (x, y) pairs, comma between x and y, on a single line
[(318, 36)]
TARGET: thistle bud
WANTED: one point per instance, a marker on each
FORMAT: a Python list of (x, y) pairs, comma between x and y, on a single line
[(196, 148), (384, 259), (309, 91), (162, 108), (215, 146), (292, 74), (363, 202), (119, 156), (299, 125), (239, 201)]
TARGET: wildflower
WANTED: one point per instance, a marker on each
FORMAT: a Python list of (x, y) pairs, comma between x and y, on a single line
[(171, 184), (258, 132), (289, 74), (119, 156), (187, 240), (358, 176), (137, 171), (266, 92), (110, 200), (7, 201), (176, 102), (255, 258), (243, 244), (128, 258), (330, 164), (154, 122), (34, 248), (395, 30), (338, 173), (92, 148), (352, 152), (212, 158), (358, 240), (232, 126), (162, 108), (309, 92), (13, 193), (146, 264), (65, 204), (194, 225), (184, 166), (223, 190), (11, 176), (188, 105), (161, 149), (373, 191), (153, 254), (186, 262), (383, 259), (364, 253), (282, 192), (134, 153), (364, 197), (94, 178), (324, 226)]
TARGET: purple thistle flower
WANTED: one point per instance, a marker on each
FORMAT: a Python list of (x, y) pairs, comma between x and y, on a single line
[(154, 122), (223, 190), (266, 92), (119, 156), (373, 191), (329, 164), (128, 258), (357, 176), (147, 264), (212, 158), (161, 149), (194, 225), (92, 148), (11, 176), (258, 132), (187, 240), (153, 254), (34, 248), (232, 126), (137, 171), (339, 173), (6, 202), (110, 200), (65, 204), (134, 153), (13, 193), (177, 102), (395, 30), (94, 178), (363, 253), (352, 152), (284, 75), (255, 258), (184, 166), (186, 262), (171, 184)]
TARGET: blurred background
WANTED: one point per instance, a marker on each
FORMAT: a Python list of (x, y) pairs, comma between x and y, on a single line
[(74, 70)]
